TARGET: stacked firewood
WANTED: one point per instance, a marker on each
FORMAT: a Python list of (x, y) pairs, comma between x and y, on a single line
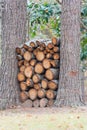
[(38, 65)]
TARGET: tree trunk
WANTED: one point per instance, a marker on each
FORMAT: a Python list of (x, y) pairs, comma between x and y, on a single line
[(69, 93), (13, 34)]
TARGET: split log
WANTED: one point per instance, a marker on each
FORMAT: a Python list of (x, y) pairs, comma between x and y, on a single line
[(38, 43), (23, 86), (56, 56), (53, 84), (36, 103), (33, 62), (46, 63), (28, 103), (25, 46), (37, 86), (29, 82), (20, 63), (35, 51), (50, 94), (21, 77), (30, 49), (55, 63), (52, 74), (50, 103), (33, 45), (27, 56), (44, 84), (55, 41), (23, 96), (32, 94), (39, 68), (19, 57), (41, 93), (50, 45), (36, 78), (26, 63), (56, 49), (43, 102), (28, 72), (40, 55), (22, 68)]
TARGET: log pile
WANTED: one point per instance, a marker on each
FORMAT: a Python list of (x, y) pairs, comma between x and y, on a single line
[(38, 74)]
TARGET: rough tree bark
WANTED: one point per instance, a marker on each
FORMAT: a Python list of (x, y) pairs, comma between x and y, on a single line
[(13, 34), (70, 87)]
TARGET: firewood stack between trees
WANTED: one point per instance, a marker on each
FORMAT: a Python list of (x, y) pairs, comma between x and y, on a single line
[(38, 65)]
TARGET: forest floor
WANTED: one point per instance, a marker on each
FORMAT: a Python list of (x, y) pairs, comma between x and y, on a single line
[(44, 119)]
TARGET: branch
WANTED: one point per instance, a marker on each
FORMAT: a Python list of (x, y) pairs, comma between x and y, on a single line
[(82, 24)]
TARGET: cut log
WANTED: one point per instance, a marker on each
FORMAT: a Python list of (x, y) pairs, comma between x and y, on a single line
[(37, 86), (35, 51), (50, 103), (22, 68), (55, 63), (36, 78), (50, 94), (50, 45), (45, 52), (39, 68), (28, 72), (28, 103), (23, 96), (32, 44), (48, 55), (38, 43), (53, 84), (52, 74), (56, 56), (25, 47), (26, 63), (41, 93), (44, 84), (21, 77), (29, 82), (27, 56), (46, 63), (56, 49), (23, 86), (18, 50), (43, 102), (36, 103), (40, 55), (55, 41), (33, 62), (19, 57), (20, 63), (30, 49), (32, 94)]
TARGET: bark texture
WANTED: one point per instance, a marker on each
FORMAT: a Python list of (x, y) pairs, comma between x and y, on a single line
[(13, 34), (70, 89)]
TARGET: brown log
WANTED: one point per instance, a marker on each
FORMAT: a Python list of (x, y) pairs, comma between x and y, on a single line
[(33, 62), (46, 63), (18, 50), (28, 103), (52, 74), (50, 45), (35, 51), (56, 56), (38, 43), (33, 45), (22, 68), (29, 82), (30, 49), (21, 77), (43, 102), (23, 86), (50, 94), (41, 48), (41, 93), (45, 52), (40, 55), (36, 78), (56, 49), (51, 52), (50, 103), (26, 63), (19, 57), (37, 86), (55, 41), (25, 47), (53, 84), (20, 63), (23, 96), (43, 44), (28, 72), (39, 68), (36, 103), (55, 63), (44, 84), (27, 56), (48, 55), (32, 94)]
